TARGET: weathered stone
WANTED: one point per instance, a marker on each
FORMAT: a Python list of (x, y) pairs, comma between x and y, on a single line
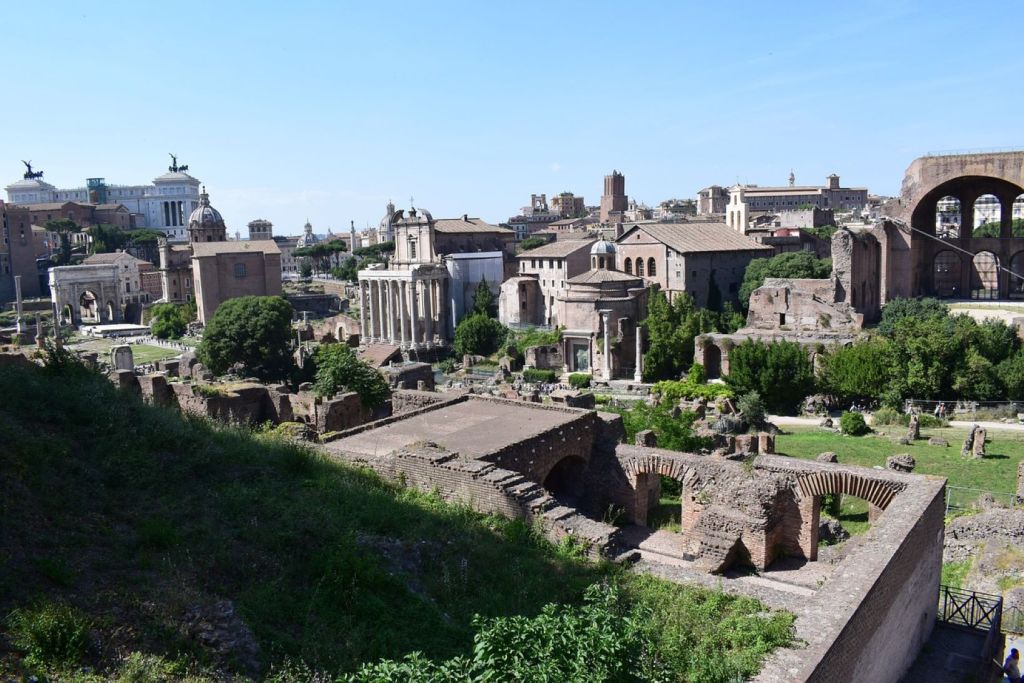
[(826, 423), (914, 429), (121, 357), (901, 462), (765, 442), (980, 436), (937, 441), (967, 450), (647, 437), (830, 531), (827, 456), (904, 441)]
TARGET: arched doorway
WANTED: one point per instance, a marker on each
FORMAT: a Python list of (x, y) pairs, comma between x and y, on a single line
[(712, 361), (946, 273), (565, 480), (947, 218), (88, 307), (985, 276), (987, 216), (1017, 274), (67, 315), (110, 312)]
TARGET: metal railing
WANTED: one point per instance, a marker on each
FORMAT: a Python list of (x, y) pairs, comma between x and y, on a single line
[(960, 498), (974, 610), (988, 150)]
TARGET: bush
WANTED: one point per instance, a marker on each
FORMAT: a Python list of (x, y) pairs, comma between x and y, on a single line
[(674, 390), (535, 376), (798, 264), (534, 336), (853, 424), (891, 416), (169, 321), (52, 634), (339, 369), (751, 407), (479, 335), (780, 372), (532, 243), (578, 380)]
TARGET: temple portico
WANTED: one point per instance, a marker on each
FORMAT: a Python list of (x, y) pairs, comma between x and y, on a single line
[(404, 307)]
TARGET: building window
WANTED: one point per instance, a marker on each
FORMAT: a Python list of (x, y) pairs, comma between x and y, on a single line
[(239, 270), (651, 268), (640, 267), (628, 265)]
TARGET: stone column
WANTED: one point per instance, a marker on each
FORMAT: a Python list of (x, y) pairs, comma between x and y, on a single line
[(966, 216), (17, 300), (403, 313), (638, 375), (364, 301), (428, 312), (414, 328), (1006, 216), (377, 319), (606, 365), (389, 322)]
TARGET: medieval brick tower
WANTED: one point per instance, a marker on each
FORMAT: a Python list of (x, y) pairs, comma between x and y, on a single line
[(614, 200)]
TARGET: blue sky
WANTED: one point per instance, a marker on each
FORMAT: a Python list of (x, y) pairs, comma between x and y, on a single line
[(325, 110)]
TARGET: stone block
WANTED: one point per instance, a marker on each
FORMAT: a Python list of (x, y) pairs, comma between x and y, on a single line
[(827, 456), (647, 437), (901, 462), (121, 357), (937, 441)]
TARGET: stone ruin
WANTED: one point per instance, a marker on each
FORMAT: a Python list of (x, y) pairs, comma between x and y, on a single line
[(121, 357), (914, 428), (974, 444)]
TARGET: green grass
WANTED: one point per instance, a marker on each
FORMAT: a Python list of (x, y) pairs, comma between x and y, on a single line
[(996, 472), (144, 353), (955, 573), (129, 515)]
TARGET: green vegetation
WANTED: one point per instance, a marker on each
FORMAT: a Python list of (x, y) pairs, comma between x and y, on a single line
[(890, 416), (993, 229), (532, 243), (147, 353), (339, 369), (692, 387), (579, 380), (853, 424), (997, 471), (318, 255), (306, 268), (169, 321), (533, 336), (752, 408), (253, 331), (671, 328), (479, 335), (484, 302), (797, 264), (145, 514), (64, 229), (375, 251), (780, 372), (536, 376), (674, 433), (825, 232)]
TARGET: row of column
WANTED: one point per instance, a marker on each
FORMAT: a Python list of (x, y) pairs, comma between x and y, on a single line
[(174, 214), (409, 313)]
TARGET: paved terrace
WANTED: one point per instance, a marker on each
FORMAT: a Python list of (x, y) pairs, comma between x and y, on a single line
[(473, 428)]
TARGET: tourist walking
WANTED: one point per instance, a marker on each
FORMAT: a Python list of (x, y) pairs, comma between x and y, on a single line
[(1011, 667)]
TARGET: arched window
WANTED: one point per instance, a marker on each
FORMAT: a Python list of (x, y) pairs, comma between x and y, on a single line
[(947, 218), (640, 267), (946, 273), (651, 268), (987, 216), (628, 265)]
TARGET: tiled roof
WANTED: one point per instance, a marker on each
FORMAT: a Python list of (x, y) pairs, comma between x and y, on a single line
[(467, 224), (594, 277), (688, 238), (234, 247), (110, 258), (557, 249)]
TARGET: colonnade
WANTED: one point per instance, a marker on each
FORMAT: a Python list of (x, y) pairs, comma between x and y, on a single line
[(406, 312)]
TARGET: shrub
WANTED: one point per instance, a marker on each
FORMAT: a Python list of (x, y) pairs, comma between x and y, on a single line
[(780, 372), (799, 264), (338, 368), (52, 634), (532, 243), (169, 321), (674, 390), (853, 424), (534, 336), (536, 376), (579, 380), (752, 408), (479, 335), (891, 416)]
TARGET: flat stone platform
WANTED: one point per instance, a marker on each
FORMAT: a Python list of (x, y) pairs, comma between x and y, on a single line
[(473, 428)]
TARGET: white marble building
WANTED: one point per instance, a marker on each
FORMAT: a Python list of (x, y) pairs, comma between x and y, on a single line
[(163, 205)]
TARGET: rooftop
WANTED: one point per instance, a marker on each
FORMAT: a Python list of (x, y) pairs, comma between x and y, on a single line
[(467, 224), (200, 249), (689, 238), (596, 277), (473, 428), (557, 249), (111, 258)]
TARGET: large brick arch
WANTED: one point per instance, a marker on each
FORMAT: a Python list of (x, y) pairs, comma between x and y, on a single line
[(659, 463), (876, 492)]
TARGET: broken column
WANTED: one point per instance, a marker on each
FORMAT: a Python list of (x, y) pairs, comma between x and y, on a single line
[(979, 442), (967, 450), (914, 429)]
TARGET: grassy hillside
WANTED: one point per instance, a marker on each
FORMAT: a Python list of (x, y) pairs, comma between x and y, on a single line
[(123, 526)]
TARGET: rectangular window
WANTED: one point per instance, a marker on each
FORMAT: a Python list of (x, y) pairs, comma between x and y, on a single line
[(239, 270)]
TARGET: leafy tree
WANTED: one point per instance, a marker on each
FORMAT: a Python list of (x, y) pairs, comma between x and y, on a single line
[(484, 302), (993, 229), (375, 251), (64, 228), (1011, 372), (253, 331), (339, 369), (169, 321), (752, 408), (348, 270), (478, 334), (532, 243), (319, 254), (898, 309), (671, 328), (976, 379), (674, 433), (305, 268), (853, 424), (995, 340), (859, 371), (144, 236), (797, 264), (780, 372), (106, 239)]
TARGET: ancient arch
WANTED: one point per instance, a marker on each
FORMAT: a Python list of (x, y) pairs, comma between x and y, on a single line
[(712, 361), (947, 217), (985, 276), (1017, 275), (110, 311), (875, 491), (627, 266), (644, 476), (946, 274), (565, 480), (88, 307)]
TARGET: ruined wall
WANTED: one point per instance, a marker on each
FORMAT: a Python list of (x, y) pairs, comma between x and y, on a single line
[(548, 357), (410, 376), (407, 400)]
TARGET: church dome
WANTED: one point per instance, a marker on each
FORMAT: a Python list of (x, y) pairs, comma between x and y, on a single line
[(388, 220), (307, 238), (603, 248), (205, 216)]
